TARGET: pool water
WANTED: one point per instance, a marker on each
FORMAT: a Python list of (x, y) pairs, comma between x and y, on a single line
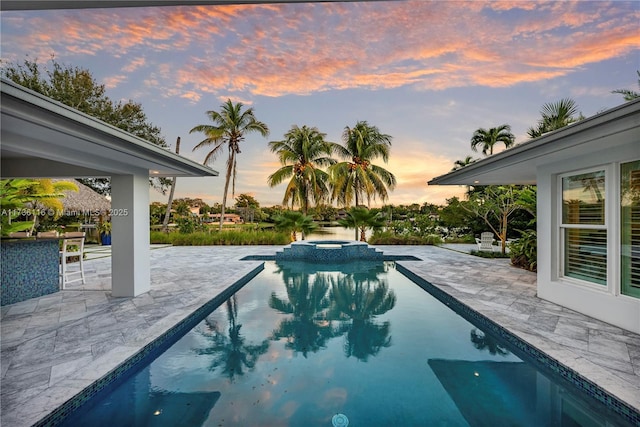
[(303, 342)]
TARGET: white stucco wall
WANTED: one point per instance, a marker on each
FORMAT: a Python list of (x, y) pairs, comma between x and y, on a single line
[(601, 302)]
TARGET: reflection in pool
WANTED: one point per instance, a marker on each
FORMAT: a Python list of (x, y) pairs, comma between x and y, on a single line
[(302, 342)]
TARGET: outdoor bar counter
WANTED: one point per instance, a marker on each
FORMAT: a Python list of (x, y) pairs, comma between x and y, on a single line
[(30, 268)]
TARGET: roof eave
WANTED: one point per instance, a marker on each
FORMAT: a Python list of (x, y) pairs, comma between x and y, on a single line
[(23, 109)]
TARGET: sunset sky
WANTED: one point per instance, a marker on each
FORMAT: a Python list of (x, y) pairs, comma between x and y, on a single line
[(427, 73)]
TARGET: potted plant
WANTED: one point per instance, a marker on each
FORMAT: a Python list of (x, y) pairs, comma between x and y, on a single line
[(105, 232)]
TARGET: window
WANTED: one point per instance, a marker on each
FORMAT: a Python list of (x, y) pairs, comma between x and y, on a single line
[(630, 228), (583, 227)]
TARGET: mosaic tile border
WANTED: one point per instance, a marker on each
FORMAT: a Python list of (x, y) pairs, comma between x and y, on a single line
[(145, 355), (525, 350), (384, 258)]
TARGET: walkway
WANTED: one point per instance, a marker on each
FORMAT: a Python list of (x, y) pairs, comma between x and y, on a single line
[(54, 346)]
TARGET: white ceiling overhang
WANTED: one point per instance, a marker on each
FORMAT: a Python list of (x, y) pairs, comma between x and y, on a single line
[(44, 138), (518, 165)]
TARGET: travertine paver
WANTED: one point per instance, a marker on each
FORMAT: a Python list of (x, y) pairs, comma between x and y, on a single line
[(54, 346)]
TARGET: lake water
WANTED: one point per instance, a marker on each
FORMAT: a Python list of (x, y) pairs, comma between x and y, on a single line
[(333, 233)]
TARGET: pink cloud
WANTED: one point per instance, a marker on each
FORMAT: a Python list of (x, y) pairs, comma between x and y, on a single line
[(274, 50)]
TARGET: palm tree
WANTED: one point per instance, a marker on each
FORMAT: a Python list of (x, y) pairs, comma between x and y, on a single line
[(230, 126), (555, 116), (487, 139), (459, 164), (357, 177), (628, 94), (361, 219), (302, 153), (294, 222), (30, 195)]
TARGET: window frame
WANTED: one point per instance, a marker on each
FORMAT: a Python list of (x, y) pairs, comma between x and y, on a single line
[(609, 224), (618, 270)]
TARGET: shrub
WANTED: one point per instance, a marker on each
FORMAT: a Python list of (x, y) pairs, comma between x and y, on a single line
[(485, 254), (390, 238), (524, 251), (225, 237)]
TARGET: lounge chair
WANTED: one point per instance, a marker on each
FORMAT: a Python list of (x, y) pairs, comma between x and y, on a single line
[(485, 242)]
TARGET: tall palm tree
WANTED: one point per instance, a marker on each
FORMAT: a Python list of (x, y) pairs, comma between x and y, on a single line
[(357, 177), (628, 94), (487, 139), (230, 126), (555, 115), (302, 153)]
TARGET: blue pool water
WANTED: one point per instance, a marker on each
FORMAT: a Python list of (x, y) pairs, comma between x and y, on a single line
[(302, 342)]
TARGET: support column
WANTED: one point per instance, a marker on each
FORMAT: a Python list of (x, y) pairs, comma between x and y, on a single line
[(130, 248)]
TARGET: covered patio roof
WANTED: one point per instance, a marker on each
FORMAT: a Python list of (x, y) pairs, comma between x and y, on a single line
[(42, 138), (518, 165), (45, 138)]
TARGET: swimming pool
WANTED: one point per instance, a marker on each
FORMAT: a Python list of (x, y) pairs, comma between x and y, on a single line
[(304, 342)]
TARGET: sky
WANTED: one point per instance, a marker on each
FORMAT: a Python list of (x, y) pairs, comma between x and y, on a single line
[(427, 73)]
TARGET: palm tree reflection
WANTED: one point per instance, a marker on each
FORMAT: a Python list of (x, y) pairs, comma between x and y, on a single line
[(229, 350), (482, 341), (308, 329), (360, 297), (353, 297)]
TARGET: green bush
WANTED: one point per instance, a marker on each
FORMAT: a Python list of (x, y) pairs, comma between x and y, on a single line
[(524, 251), (225, 237), (485, 254), (390, 238)]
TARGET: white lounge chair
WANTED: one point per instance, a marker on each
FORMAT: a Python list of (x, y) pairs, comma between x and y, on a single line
[(485, 242)]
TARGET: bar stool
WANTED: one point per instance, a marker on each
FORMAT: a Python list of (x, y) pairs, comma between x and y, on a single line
[(72, 246)]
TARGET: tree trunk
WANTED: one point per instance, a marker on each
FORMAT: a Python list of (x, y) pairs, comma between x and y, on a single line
[(356, 225), (232, 155), (503, 232), (165, 223), (305, 207)]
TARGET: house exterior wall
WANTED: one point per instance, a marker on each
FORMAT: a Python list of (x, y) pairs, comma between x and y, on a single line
[(602, 302)]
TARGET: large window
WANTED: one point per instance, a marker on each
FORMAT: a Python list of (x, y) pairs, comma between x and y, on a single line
[(584, 228), (630, 228)]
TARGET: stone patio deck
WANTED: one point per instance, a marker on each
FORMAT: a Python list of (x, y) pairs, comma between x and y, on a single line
[(54, 346)]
